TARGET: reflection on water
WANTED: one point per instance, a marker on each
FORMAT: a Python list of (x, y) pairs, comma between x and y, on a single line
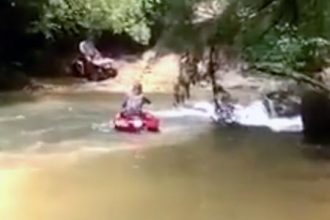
[(201, 174)]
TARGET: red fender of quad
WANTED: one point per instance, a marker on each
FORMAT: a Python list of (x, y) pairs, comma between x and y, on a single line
[(135, 124)]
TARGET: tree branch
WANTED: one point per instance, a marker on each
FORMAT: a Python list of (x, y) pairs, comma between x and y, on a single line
[(299, 77)]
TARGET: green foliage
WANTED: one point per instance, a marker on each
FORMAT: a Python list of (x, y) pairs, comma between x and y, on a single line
[(290, 50), (91, 17), (292, 33), (288, 33), (181, 31)]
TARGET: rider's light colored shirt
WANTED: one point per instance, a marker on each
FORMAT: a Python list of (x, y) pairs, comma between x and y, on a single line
[(134, 103)]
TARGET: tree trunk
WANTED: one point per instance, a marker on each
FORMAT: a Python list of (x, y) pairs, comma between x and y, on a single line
[(211, 71)]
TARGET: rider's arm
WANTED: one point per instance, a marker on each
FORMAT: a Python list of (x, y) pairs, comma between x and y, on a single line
[(124, 103), (146, 100)]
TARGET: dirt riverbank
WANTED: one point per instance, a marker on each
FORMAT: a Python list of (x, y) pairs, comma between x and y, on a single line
[(160, 75)]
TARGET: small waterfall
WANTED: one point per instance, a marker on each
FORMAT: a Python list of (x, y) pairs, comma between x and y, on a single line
[(253, 115), (256, 115)]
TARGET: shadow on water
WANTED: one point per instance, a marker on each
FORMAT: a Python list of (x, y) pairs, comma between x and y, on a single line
[(316, 147), (13, 98), (237, 137), (319, 152), (254, 138)]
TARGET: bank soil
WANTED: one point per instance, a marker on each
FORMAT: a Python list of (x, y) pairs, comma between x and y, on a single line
[(159, 75)]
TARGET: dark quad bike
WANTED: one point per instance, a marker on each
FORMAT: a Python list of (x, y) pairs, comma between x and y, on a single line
[(90, 64)]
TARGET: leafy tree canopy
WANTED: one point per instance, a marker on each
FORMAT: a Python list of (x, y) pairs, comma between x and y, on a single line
[(91, 17), (293, 34)]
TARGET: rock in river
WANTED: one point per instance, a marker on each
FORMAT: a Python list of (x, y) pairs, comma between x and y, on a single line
[(315, 112)]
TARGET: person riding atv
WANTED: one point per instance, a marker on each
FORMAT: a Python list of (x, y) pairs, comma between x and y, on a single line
[(91, 64), (134, 102)]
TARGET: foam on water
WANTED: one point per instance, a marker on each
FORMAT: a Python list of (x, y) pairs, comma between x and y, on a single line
[(12, 118), (198, 109), (166, 126), (186, 120), (254, 115), (105, 127)]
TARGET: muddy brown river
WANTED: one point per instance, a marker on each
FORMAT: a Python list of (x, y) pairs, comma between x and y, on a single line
[(59, 160)]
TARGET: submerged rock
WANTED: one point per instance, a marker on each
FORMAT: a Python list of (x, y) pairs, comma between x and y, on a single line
[(256, 115), (282, 103), (315, 111)]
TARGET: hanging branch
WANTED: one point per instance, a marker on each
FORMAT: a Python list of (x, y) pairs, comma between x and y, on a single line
[(299, 77), (211, 69)]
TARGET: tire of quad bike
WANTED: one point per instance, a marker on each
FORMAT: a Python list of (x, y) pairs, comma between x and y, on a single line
[(111, 73), (77, 69), (94, 76), (99, 74)]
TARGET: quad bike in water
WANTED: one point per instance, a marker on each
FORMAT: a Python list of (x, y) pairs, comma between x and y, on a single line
[(133, 124), (90, 64)]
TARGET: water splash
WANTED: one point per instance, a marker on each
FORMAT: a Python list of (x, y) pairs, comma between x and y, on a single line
[(254, 115), (105, 127), (257, 115), (198, 109), (12, 118)]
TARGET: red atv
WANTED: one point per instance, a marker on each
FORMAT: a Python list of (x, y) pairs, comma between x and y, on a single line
[(132, 124)]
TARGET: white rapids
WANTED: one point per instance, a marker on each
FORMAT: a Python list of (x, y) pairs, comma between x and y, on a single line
[(253, 115)]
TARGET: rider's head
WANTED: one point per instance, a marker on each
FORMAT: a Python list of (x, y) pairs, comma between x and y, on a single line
[(137, 88)]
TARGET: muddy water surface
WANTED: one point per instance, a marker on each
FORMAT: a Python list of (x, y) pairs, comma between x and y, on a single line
[(59, 160)]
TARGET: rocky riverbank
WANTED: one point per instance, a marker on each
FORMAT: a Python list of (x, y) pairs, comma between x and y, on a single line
[(160, 75)]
